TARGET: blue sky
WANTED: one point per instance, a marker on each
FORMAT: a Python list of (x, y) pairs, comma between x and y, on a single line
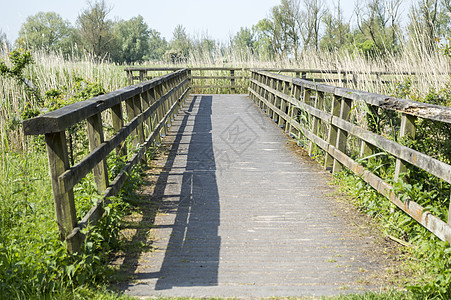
[(219, 19)]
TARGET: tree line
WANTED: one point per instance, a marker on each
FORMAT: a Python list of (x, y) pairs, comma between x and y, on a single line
[(291, 29)]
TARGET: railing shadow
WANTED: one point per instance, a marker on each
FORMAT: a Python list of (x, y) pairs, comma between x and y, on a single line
[(189, 190), (192, 257)]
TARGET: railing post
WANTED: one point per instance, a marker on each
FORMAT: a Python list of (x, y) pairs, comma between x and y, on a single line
[(332, 134), (66, 215), (145, 105), (130, 109), (154, 117), (95, 138), (295, 111), (140, 129), (354, 80), (306, 100), (284, 106), (141, 75), (407, 130), (277, 101), (129, 77), (118, 122), (159, 114), (232, 81), (316, 121), (366, 149), (166, 88), (342, 135)]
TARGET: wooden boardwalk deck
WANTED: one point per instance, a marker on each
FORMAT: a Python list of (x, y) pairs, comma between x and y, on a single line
[(243, 216)]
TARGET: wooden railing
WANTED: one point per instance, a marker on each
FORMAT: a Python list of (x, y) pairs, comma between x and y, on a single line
[(299, 107), (204, 79), (149, 107), (236, 80)]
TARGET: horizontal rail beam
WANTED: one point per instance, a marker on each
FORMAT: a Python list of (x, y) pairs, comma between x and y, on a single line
[(280, 97), (59, 120)]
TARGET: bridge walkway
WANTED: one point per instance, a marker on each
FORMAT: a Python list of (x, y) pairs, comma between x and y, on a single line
[(242, 215)]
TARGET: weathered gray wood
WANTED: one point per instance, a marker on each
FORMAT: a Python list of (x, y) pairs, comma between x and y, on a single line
[(73, 175), (232, 81), (142, 75), (418, 109), (416, 158), (285, 106), (59, 120), (315, 121), (366, 149), (342, 135), (332, 134), (145, 98), (66, 215), (140, 129), (65, 178), (97, 211), (219, 77), (130, 111), (118, 123), (96, 138), (340, 126), (407, 130)]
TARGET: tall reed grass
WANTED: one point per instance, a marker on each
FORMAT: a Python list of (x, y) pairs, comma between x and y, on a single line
[(25, 193), (432, 69)]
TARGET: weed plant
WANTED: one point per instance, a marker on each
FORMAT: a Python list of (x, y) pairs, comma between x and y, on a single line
[(433, 138), (34, 263)]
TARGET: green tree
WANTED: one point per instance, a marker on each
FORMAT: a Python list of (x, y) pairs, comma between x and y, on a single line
[(203, 47), (95, 31), (46, 30), (429, 22), (133, 39), (180, 45), (311, 17), (157, 46), (5, 45), (266, 41), (243, 43), (336, 31), (378, 25)]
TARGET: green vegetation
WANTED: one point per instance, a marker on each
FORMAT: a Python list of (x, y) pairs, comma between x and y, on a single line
[(34, 263), (293, 29), (45, 71)]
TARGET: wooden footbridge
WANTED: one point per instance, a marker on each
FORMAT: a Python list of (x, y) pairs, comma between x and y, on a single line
[(241, 214)]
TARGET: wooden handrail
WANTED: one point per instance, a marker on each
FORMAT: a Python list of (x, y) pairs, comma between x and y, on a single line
[(231, 82), (152, 102), (217, 79), (284, 98)]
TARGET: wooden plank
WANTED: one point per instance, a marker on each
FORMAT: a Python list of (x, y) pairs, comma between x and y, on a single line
[(437, 226), (66, 215), (73, 175), (332, 133), (218, 77), (96, 138), (418, 159), (418, 109), (130, 111), (97, 211), (118, 123), (407, 129), (212, 86), (59, 120)]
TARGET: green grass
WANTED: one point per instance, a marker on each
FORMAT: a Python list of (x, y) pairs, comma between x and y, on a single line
[(33, 261)]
